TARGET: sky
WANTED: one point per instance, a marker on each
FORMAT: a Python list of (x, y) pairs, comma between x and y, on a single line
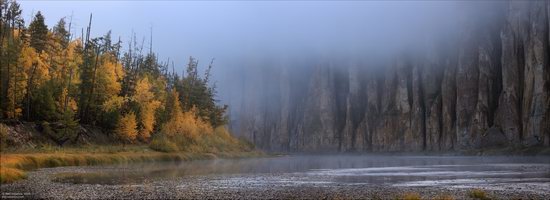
[(239, 34), (237, 29)]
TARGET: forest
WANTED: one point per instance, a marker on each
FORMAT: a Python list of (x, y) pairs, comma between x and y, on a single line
[(60, 80)]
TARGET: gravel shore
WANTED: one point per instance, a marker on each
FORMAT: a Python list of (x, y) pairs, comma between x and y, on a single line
[(237, 186)]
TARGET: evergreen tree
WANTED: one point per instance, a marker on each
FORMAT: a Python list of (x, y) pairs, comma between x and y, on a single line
[(44, 103), (13, 16), (196, 93), (39, 33), (61, 33)]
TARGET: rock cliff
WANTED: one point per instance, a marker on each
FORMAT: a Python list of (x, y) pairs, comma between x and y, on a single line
[(487, 86)]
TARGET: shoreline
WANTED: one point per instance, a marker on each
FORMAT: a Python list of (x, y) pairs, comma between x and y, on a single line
[(14, 165), (517, 151)]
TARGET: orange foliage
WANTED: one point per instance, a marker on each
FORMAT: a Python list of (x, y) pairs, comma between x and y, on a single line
[(126, 129), (147, 107), (185, 124)]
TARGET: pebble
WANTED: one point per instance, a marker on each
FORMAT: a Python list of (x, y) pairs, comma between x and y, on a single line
[(236, 186)]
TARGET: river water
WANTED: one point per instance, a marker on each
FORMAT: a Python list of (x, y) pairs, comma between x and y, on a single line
[(498, 173)]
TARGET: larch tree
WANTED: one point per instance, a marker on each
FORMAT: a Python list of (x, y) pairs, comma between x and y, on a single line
[(71, 80), (26, 61), (184, 124), (148, 105), (107, 86), (109, 78), (11, 38), (170, 128), (126, 128)]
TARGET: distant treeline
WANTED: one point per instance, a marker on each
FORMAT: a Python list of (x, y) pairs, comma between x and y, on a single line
[(59, 80)]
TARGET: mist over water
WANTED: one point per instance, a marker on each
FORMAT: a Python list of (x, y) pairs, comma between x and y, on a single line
[(529, 173)]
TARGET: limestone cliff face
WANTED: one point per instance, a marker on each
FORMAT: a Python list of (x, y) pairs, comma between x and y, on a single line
[(489, 87)]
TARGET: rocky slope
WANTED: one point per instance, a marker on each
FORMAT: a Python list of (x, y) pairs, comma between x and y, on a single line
[(488, 86), (30, 135)]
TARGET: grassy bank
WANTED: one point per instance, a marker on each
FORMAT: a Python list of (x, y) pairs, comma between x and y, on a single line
[(14, 164)]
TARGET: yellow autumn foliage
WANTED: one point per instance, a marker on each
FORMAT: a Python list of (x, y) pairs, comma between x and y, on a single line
[(109, 74), (41, 71), (74, 60), (33, 68), (113, 103), (71, 102), (27, 58), (185, 124), (143, 91), (147, 107), (147, 116), (126, 128), (17, 84)]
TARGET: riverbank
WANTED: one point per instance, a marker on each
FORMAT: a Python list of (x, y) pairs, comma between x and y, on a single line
[(15, 164)]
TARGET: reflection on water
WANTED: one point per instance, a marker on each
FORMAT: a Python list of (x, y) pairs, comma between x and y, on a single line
[(335, 169)]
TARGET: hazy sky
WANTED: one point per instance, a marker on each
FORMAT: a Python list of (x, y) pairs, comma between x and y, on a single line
[(242, 35), (233, 30)]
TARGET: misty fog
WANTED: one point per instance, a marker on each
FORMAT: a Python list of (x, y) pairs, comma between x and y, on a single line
[(288, 40), (244, 35)]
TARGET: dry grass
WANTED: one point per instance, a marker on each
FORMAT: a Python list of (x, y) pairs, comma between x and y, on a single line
[(8, 175), (13, 165), (92, 148), (444, 197), (478, 194), (411, 196), (217, 141)]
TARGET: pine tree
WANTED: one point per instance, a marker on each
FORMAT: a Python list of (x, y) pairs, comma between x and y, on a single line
[(43, 103), (60, 32), (39, 33), (196, 93)]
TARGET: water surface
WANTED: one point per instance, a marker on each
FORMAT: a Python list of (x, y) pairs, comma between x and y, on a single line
[(529, 173)]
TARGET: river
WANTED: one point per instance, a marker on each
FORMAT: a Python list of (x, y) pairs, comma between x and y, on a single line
[(299, 176)]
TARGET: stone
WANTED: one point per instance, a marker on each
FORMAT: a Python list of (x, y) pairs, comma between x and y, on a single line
[(493, 138)]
